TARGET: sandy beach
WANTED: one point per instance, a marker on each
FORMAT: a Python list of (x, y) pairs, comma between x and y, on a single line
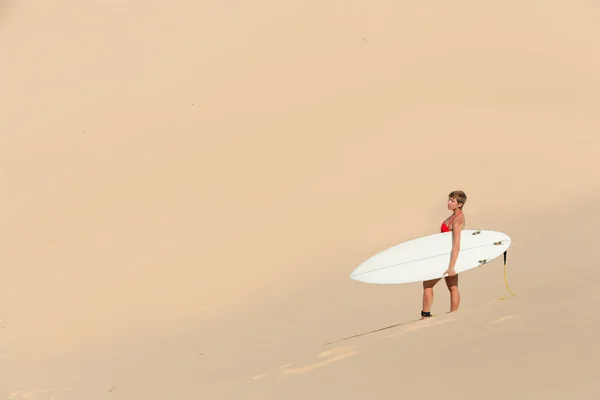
[(186, 189)]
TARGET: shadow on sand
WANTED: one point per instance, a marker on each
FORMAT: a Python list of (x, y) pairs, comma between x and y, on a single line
[(373, 331)]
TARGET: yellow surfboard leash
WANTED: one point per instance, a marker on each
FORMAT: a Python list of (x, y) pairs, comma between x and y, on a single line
[(505, 281)]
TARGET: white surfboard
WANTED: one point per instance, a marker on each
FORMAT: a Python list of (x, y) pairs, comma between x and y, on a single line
[(428, 257)]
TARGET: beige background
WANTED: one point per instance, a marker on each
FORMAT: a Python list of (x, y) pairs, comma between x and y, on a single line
[(186, 187)]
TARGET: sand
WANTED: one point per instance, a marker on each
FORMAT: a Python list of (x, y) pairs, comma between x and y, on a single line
[(187, 187)]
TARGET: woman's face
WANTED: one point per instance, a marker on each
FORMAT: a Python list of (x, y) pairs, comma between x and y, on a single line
[(452, 204)]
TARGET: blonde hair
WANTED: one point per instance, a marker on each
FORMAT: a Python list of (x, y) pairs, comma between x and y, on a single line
[(460, 196)]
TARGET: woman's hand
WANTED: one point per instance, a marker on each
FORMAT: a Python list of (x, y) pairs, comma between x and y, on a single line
[(451, 272)]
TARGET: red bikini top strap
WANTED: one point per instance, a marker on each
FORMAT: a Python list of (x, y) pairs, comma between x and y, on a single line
[(452, 219)]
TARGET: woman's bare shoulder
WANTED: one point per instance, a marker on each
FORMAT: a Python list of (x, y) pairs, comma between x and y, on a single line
[(461, 220)]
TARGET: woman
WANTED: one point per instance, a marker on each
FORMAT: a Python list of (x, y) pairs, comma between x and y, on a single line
[(455, 223)]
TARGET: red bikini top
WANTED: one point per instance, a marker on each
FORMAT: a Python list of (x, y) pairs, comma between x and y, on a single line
[(445, 227)]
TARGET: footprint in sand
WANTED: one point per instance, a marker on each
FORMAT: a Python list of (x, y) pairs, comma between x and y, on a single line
[(44, 394), (328, 357), (506, 318), (427, 323), (263, 376), (259, 377)]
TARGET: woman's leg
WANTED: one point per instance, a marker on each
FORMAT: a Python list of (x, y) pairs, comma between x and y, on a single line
[(452, 283), (428, 295)]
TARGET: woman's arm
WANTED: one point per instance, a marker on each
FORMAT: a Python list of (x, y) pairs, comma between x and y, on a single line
[(455, 249)]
